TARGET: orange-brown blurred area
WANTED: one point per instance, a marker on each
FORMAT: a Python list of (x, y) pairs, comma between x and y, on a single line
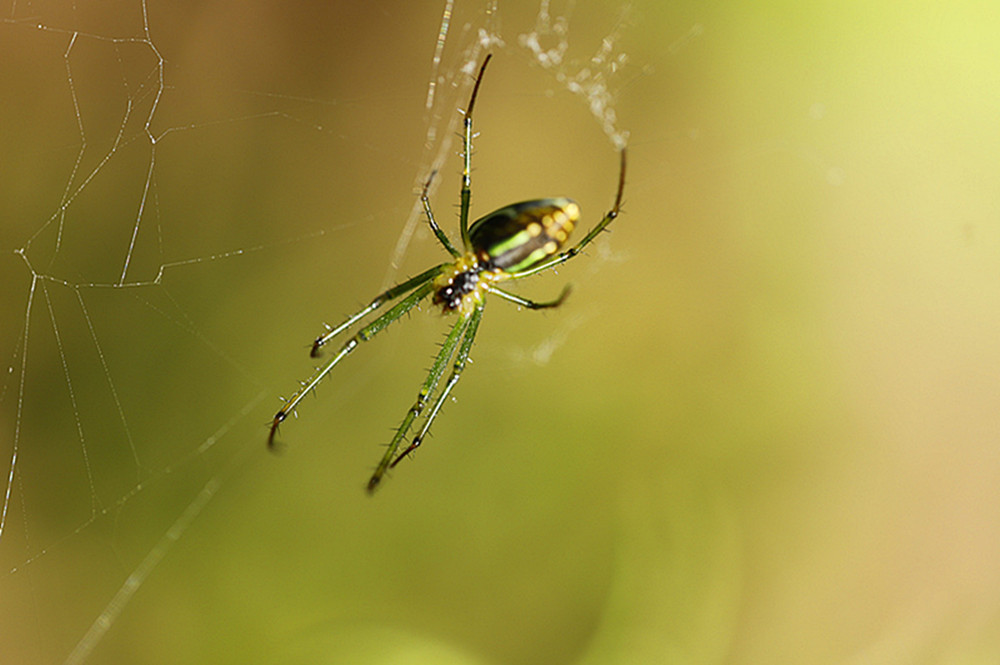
[(764, 427)]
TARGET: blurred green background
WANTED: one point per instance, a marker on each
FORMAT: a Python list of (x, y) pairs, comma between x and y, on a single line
[(763, 428)]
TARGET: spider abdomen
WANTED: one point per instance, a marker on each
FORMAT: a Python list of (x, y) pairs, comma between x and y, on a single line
[(522, 235)]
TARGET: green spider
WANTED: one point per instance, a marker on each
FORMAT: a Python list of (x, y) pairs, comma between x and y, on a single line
[(513, 242)]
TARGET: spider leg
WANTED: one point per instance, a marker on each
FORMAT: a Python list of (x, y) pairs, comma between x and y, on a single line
[(426, 390), (594, 232), (530, 304), (380, 299), (463, 215), (456, 373), (442, 238), (363, 335)]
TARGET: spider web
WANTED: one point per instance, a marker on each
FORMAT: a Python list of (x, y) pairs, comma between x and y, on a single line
[(771, 436), (172, 200)]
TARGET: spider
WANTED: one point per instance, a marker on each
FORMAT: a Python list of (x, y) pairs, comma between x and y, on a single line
[(517, 241)]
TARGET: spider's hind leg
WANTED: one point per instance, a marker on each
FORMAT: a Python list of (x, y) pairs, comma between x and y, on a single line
[(456, 374), (464, 326)]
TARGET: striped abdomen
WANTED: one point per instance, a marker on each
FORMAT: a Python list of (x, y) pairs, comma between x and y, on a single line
[(521, 235)]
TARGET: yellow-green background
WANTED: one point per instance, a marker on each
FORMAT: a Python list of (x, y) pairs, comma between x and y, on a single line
[(765, 428)]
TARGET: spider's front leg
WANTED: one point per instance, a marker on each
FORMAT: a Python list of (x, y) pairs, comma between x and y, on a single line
[(566, 255)]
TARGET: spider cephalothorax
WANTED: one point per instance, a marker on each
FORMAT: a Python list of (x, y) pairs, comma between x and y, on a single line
[(510, 243), (462, 285)]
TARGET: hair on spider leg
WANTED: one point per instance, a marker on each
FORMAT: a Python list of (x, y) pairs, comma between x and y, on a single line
[(510, 243)]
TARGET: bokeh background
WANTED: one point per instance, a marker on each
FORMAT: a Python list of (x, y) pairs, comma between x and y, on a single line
[(764, 427)]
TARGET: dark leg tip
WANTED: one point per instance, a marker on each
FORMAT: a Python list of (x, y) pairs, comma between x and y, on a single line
[(272, 443), (413, 446)]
